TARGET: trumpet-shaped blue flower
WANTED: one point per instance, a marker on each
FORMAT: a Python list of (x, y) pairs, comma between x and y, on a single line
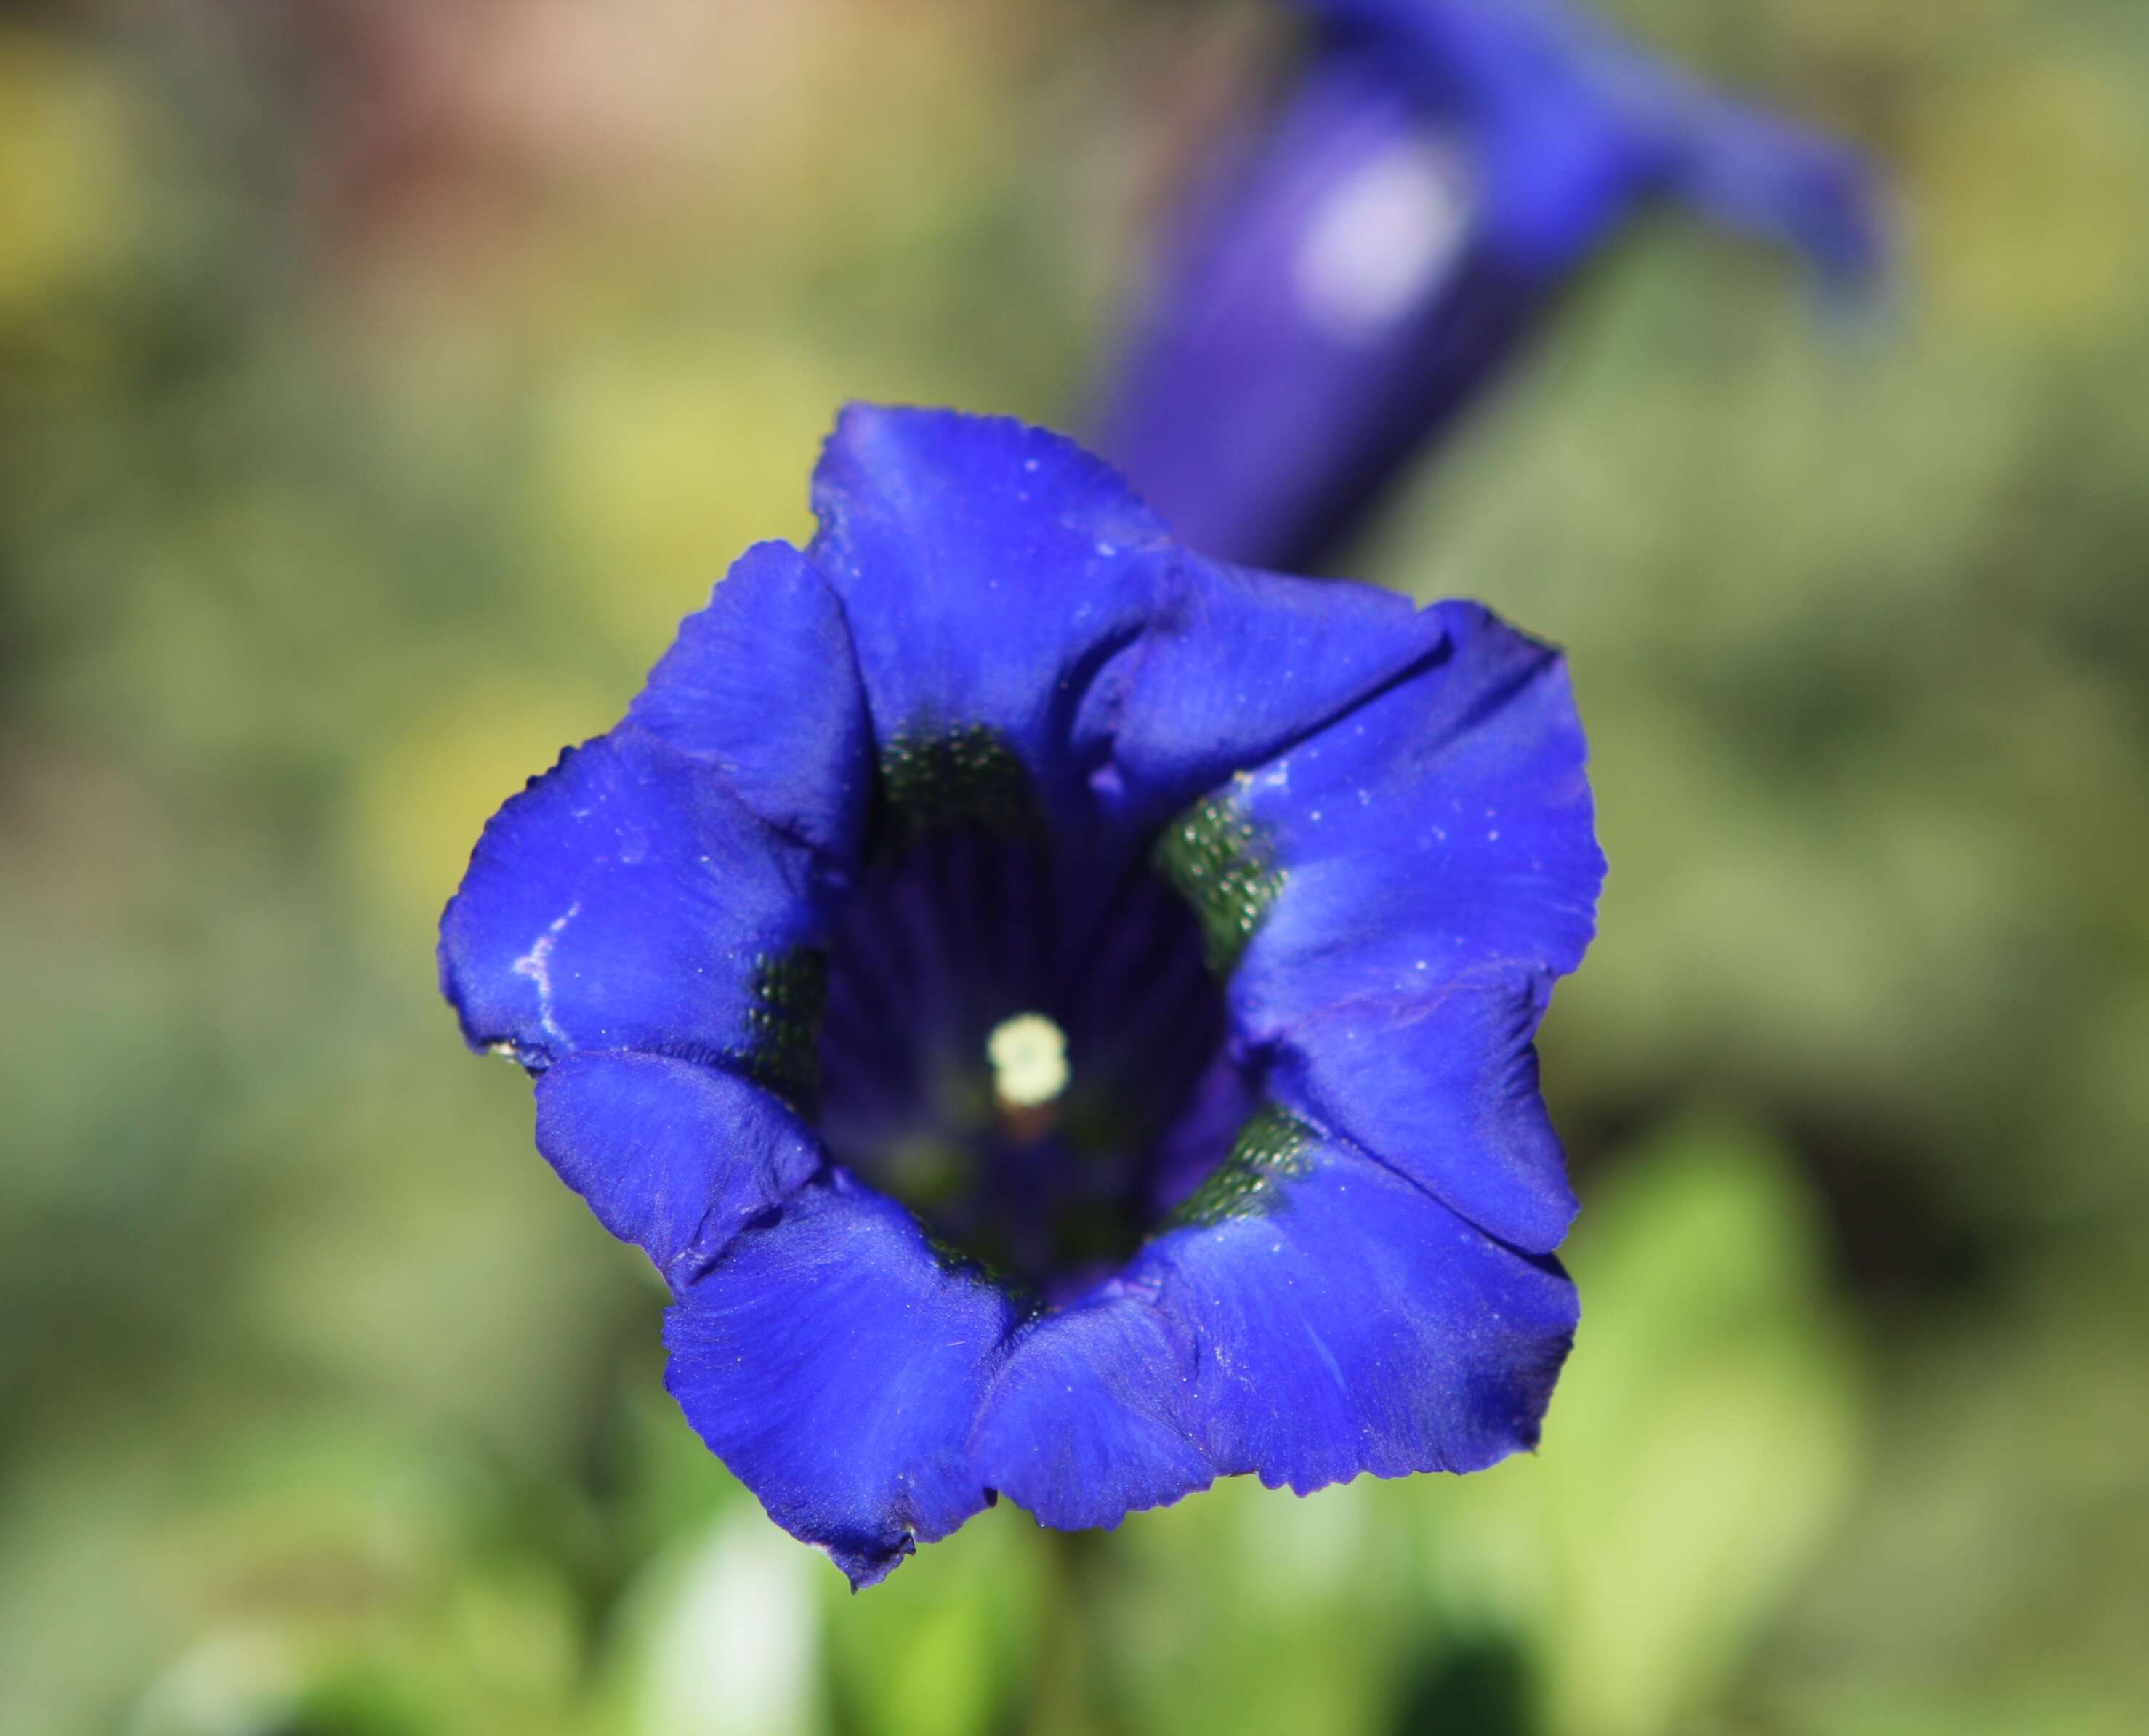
[(1360, 268), (1056, 1010)]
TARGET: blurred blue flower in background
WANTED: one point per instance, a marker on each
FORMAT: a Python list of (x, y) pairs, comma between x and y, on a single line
[(1355, 271), (1057, 1010)]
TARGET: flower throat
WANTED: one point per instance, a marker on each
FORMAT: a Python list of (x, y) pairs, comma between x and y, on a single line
[(1024, 1039)]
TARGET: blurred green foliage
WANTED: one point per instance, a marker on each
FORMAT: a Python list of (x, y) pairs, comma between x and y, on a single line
[(378, 383)]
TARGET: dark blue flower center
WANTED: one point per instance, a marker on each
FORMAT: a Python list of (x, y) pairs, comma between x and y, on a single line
[(967, 940), (1025, 1043)]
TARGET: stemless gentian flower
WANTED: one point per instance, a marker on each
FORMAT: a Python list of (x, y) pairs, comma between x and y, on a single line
[(1056, 1010), (1357, 270)]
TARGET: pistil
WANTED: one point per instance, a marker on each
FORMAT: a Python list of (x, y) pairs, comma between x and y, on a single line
[(1028, 1056)]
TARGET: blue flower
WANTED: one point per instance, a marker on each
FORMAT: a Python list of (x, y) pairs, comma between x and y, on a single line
[(1056, 1010), (1355, 273)]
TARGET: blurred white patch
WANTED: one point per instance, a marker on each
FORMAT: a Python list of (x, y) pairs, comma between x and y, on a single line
[(1314, 1543), (1387, 235), (236, 1682), (733, 1650), (1029, 1054)]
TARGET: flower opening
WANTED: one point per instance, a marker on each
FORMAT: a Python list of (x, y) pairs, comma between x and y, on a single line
[(1014, 1029)]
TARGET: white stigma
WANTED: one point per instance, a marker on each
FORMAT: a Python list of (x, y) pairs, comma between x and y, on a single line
[(1029, 1054)]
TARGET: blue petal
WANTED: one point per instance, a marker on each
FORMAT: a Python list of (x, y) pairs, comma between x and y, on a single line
[(1325, 303), (674, 1157), (1233, 666), (1089, 1421), (1361, 1326), (1341, 1322), (626, 900), (835, 1363), (998, 576), (990, 571), (763, 684), (1561, 99), (1438, 867), (1444, 1088), (1748, 169)]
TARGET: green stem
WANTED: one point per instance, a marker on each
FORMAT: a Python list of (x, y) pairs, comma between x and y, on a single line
[(1065, 1697)]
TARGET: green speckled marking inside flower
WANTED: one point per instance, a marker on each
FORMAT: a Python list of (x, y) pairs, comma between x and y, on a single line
[(966, 778), (1218, 860), (1271, 1146), (790, 994), (959, 1262)]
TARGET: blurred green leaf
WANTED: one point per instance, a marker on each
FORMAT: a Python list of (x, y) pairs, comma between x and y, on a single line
[(950, 1642), (1705, 1435), (1700, 1448)]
